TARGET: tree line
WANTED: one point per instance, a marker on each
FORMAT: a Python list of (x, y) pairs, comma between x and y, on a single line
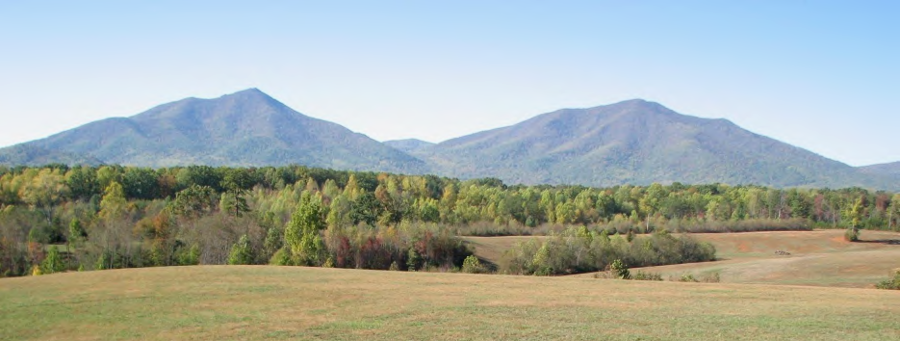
[(116, 216)]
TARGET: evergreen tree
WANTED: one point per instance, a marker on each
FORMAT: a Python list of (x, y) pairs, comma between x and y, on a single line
[(53, 262)]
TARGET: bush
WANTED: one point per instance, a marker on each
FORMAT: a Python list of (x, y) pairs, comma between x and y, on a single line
[(646, 276), (748, 225), (53, 262), (687, 278), (852, 235), (576, 250), (473, 266), (619, 269), (281, 257), (241, 253), (890, 284), (415, 245), (712, 277)]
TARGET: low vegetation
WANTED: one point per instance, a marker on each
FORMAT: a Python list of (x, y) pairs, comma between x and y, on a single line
[(890, 284), (578, 250)]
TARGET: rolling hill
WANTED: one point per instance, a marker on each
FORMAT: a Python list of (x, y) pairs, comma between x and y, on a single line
[(636, 142), (247, 128)]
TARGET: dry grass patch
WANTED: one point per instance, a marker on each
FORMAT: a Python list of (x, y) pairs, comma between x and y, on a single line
[(261, 303)]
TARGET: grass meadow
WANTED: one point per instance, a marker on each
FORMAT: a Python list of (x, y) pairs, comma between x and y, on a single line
[(295, 303)]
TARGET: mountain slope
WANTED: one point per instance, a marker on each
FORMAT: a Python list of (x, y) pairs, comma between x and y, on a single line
[(31, 155), (885, 169), (247, 128), (408, 145), (636, 142)]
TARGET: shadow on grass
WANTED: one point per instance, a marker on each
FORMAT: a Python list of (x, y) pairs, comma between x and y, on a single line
[(881, 241)]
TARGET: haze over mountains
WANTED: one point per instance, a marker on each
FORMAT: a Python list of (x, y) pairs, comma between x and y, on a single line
[(633, 142)]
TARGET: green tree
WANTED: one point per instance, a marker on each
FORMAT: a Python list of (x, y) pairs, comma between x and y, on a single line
[(45, 192), (302, 232), (77, 234), (193, 201), (236, 182), (53, 262), (140, 183), (241, 252), (854, 214), (113, 205), (413, 259), (82, 181)]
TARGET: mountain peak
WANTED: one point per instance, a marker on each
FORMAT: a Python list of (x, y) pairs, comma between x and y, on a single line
[(251, 93)]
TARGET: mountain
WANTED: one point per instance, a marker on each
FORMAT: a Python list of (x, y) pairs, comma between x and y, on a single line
[(408, 145), (884, 169), (631, 142), (247, 128), (32, 155), (636, 142)]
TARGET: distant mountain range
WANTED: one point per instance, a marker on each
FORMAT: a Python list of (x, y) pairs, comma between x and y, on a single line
[(247, 128), (884, 169), (633, 142)]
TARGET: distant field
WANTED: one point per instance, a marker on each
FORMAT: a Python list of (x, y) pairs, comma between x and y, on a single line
[(281, 303), (820, 258)]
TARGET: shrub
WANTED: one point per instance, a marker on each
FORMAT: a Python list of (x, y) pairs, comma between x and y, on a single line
[(712, 277), (574, 251), (473, 266), (281, 257), (241, 253), (890, 284), (619, 269), (53, 262), (646, 276), (687, 278), (852, 235), (36, 271)]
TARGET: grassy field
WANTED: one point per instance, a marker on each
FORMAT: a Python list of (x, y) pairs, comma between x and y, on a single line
[(820, 258), (280, 303)]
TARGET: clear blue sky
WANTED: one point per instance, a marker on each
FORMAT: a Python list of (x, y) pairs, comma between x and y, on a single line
[(818, 74)]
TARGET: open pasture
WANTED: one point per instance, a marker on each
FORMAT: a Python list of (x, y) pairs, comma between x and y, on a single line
[(280, 303), (818, 258)]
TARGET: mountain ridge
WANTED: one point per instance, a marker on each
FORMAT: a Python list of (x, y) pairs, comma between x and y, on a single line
[(246, 128), (636, 142), (630, 142)]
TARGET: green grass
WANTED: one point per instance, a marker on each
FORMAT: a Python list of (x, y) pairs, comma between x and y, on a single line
[(292, 303)]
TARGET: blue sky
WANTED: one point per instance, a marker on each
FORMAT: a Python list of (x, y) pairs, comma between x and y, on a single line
[(821, 75)]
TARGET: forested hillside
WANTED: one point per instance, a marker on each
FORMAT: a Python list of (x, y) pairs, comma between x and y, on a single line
[(247, 128), (633, 142), (113, 216), (637, 142), (886, 169)]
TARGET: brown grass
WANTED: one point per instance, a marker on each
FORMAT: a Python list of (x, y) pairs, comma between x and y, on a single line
[(818, 258), (265, 302)]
